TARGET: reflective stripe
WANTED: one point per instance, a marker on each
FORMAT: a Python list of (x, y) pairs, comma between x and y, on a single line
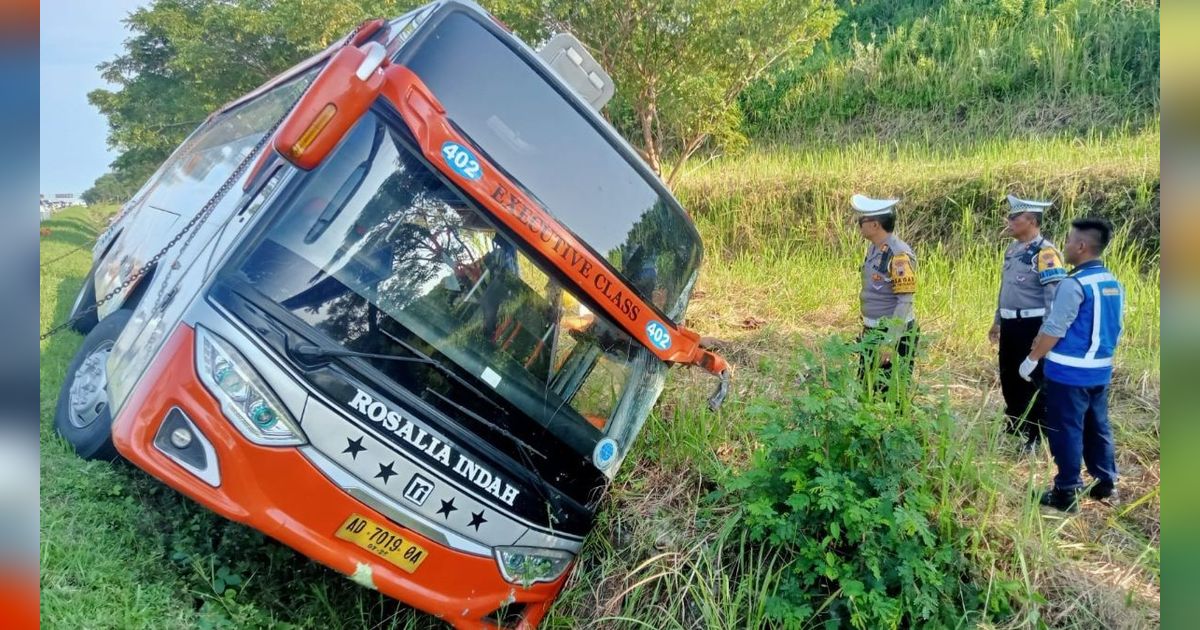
[(1069, 361), (1008, 313), (1096, 308), (1095, 278)]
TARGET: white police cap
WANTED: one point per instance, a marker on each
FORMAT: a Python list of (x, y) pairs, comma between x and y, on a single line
[(1016, 204), (868, 207)]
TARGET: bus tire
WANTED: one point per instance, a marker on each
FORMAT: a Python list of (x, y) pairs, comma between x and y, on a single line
[(83, 417)]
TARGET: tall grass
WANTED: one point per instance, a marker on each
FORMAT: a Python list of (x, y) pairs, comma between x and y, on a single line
[(1096, 60), (777, 198)]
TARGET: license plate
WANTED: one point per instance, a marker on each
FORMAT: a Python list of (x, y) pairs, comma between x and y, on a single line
[(383, 542)]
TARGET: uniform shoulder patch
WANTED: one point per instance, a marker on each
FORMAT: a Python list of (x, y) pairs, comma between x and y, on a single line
[(1050, 266), (903, 274)]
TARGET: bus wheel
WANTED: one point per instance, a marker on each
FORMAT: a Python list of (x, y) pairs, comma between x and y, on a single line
[(83, 416)]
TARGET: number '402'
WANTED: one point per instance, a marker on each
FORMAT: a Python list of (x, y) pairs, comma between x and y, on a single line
[(461, 160)]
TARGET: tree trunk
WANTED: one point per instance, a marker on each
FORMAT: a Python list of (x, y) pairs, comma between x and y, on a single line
[(649, 150), (683, 157)]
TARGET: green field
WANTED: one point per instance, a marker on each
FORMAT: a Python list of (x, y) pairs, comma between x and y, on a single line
[(948, 105)]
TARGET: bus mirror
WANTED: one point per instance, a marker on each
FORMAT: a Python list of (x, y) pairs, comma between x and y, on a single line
[(575, 66), (337, 98)]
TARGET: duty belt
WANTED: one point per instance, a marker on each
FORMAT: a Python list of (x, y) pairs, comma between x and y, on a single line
[(1022, 313)]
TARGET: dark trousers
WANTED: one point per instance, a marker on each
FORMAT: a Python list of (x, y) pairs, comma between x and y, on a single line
[(871, 369), (1024, 409), (1078, 431)]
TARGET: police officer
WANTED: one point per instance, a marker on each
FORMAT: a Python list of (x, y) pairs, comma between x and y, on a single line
[(1032, 270), (889, 284), (1078, 340)]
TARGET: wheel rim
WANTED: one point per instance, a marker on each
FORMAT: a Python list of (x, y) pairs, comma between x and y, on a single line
[(89, 389)]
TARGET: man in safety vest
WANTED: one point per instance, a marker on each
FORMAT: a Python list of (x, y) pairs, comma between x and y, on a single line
[(1078, 340)]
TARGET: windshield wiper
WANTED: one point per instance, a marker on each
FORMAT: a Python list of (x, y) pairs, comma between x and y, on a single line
[(525, 447), (316, 352), (547, 491)]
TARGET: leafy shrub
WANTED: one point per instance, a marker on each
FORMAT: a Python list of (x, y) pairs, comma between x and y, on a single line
[(843, 486)]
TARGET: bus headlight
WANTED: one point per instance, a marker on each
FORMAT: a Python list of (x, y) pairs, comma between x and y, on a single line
[(245, 399), (530, 565)]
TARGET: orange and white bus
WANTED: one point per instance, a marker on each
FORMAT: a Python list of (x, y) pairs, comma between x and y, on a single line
[(404, 308)]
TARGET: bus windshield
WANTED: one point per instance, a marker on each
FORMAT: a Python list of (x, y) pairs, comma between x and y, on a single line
[(375, 251)]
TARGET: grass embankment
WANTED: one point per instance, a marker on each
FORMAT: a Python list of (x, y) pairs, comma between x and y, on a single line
[(119, 550), (953, 70)]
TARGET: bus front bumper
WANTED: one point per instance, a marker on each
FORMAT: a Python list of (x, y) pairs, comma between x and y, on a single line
[(277, 491)]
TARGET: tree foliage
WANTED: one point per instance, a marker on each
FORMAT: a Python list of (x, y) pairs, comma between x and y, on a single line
[(186, 58), (680, 65)]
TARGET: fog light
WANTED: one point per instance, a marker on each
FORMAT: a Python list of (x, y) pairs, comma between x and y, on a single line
[(181, 438)]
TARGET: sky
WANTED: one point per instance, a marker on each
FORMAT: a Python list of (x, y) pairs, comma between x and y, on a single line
[(76, 36)]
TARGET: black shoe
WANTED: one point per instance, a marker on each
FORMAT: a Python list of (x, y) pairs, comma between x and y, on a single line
[(1103, 491), (1062, 500)]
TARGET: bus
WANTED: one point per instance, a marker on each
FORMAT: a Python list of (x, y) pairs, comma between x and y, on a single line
[(404, 308)]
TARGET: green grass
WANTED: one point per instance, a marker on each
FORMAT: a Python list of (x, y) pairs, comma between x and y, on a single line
[(1008, 68), (777, 199), (119, 550)]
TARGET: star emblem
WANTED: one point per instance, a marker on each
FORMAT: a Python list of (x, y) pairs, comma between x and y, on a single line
[(447, 508), (385, 472), (477, 519), (354, 447)]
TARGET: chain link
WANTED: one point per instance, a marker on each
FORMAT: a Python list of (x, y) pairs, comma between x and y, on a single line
[(73, 251), (199, 218)]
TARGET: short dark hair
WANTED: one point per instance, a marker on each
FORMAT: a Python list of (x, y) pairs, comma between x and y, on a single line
[(1037, 218), (1098, 231), (887, 222)]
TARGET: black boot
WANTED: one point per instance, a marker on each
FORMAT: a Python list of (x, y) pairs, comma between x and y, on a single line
[(1103, 491), (1062, 500)]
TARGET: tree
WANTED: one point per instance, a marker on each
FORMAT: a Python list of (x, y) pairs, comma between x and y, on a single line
[(110, 187), (679, 65), (186, 58)]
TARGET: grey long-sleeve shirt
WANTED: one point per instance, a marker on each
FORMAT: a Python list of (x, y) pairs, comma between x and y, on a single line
[(1065, 309)]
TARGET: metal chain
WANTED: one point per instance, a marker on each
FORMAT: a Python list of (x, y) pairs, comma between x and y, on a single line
[(73, 251), (91, 243), (199, 218)]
